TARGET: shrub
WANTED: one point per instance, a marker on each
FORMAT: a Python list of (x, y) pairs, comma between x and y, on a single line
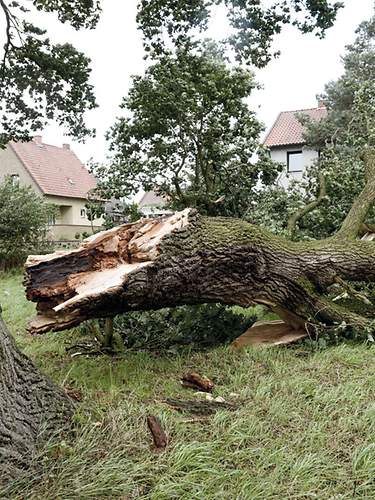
[(24, 220), (200, 325)]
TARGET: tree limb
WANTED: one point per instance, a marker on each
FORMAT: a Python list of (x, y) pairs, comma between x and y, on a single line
[(190, 259), (355, 219), (296, 216)]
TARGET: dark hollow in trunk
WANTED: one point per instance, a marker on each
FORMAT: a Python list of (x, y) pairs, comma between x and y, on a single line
[(32, 408)]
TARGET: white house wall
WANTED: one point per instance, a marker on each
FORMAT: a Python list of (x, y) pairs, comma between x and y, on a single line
[(280, 155)]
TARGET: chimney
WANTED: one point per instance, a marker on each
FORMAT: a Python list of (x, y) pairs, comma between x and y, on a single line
[(321, 103), (37, 139), (66, 146)]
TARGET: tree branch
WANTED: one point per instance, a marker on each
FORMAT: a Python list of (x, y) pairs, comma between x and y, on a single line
[(296, 216), (353, 222)]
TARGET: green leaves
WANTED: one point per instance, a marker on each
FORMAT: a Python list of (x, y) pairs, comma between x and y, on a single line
[(24, 218), (189, 134), (41, 81), (254, 23)]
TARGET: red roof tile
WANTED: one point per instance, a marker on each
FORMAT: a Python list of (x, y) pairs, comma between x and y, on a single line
[(288, 130), (57, 171)]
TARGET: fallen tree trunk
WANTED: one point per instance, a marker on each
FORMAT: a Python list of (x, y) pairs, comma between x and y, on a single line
[(189, 259), (32, 408)]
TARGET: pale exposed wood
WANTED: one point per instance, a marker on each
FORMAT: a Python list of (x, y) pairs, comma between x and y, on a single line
[(269, 333)]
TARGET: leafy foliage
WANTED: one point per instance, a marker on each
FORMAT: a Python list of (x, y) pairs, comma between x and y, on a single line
[(341, 137), (189, 134), (254, 23), (203, 325), (39, 80), (24, 218)]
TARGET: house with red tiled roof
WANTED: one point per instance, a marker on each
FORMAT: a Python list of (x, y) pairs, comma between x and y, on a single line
[(287, 145), (59, 176)]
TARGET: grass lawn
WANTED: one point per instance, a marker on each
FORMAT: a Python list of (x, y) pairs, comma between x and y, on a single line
[(305, 427)]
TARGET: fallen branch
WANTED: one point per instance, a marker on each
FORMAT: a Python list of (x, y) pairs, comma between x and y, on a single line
[(158, 434), (195, 381), (198, 407)]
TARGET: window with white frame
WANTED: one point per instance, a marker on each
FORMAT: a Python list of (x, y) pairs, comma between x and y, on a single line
[(295, 161), (83, 212)]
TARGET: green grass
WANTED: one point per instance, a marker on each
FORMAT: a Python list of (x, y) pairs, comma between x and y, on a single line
[(305, 427)]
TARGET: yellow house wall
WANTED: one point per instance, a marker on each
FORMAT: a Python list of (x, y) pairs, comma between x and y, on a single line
[(69, 221), (10, 165)]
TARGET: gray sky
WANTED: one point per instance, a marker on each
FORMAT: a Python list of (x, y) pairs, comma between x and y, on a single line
[(290, 82)]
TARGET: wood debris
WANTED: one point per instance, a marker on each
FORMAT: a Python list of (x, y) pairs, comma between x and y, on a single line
[(198, 382), (158, 434), (198, 407)]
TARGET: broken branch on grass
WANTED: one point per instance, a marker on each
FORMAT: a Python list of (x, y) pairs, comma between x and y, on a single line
[(158, 434), (195, 381), (198, 407)]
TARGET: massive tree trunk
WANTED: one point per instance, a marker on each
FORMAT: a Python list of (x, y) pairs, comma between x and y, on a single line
[(32, 408), (190, 259)]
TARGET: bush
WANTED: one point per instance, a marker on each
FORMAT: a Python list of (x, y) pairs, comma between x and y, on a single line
[(24, 220), (201, 325)]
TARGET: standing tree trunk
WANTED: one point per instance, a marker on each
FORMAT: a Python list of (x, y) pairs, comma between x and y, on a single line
[(32, 408)]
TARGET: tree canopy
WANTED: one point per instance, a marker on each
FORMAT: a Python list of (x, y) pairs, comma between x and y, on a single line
[(189, 134), (41, 80), (254, 24)]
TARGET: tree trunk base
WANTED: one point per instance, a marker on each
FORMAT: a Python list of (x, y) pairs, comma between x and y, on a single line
[(32, 408)]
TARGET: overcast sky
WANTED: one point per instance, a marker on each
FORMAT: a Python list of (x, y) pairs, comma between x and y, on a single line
[(290, 82)]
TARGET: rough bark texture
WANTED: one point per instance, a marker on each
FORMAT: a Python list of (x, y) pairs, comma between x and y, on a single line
[(190, 259), (32, 408)]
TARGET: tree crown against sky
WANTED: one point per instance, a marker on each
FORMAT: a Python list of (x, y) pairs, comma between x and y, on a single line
[(254, 23), (41, 81), (189, 134)]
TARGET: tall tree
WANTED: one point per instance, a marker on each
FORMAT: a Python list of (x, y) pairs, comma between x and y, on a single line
[(189, 134), (40, 80)]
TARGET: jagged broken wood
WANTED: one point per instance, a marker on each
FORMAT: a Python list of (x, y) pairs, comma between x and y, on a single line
[(194, 380), (189, 259)]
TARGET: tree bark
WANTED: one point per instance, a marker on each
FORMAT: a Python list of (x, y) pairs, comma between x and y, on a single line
[(191, 259), (32, 408)]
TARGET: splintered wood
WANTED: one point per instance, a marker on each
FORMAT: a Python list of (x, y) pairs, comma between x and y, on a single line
[(62, 281)]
